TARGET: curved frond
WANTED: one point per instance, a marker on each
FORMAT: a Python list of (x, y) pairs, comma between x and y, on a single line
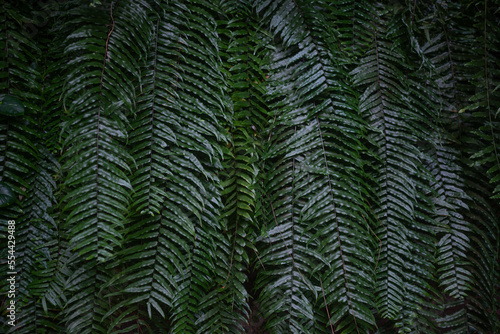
[(97, 98)]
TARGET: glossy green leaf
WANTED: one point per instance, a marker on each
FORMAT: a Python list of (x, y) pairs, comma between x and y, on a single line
[(11, 106)]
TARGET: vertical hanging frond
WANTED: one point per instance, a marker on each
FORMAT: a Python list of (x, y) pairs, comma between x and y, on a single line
[(27, 169), (98, 93), (404, 212), (324, 152)]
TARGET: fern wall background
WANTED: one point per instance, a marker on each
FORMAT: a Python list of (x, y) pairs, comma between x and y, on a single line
[(190, 166)]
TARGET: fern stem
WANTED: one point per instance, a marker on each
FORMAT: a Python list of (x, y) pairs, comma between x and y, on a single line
[(153, 94), (326, 305), (293, 236), (110, 32)]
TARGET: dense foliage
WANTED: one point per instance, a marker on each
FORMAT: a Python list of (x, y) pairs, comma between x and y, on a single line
[(194, 166)]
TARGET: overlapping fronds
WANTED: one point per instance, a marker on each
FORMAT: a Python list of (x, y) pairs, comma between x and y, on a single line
[(19, 92), (321, 147), (450, 199), (174, 223), (404, 213), (485, 103), (98, 94), (27, 169), (245, 55), (460, 188), (260, 166)]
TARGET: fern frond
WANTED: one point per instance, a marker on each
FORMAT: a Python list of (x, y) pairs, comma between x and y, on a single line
[(97, 97), (486, 100), (27, 184), (174, 145), (243, 42), (397, 122), (287, 292)]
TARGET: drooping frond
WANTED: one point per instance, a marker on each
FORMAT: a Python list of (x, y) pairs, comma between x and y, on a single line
[(27, 171), (404, 212), (464, 235), (243, 42), (18, 85), (322, 134), (287, 293), (174, 226), (485, 103), (443, 162), (96, 97)]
